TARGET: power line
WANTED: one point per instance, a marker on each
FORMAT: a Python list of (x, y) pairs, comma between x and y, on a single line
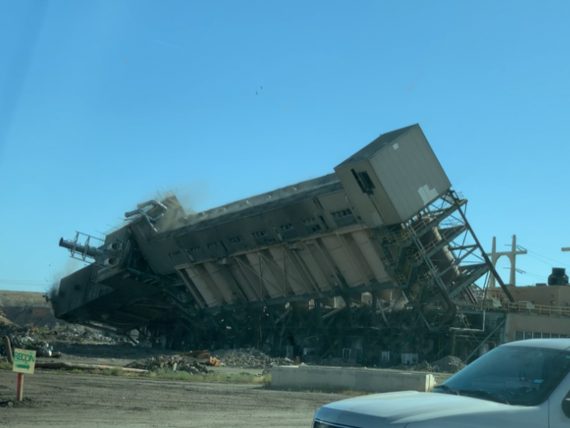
[(540, 260), (546, 257), (535, 275), (551, 259), (534, 245), (537, 255)]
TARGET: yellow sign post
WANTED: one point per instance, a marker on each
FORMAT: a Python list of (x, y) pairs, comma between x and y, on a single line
[(24, 363)]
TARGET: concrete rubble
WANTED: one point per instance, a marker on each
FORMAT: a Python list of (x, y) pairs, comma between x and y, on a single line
[(449, 364), (197, 361), (42, 339), (180, 362), (249, 359), (66, 333)]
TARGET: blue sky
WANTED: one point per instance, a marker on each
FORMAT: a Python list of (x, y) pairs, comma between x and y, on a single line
[(105, 103)]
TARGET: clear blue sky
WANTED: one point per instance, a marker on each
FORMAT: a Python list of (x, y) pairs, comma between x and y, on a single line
[(104, 103)]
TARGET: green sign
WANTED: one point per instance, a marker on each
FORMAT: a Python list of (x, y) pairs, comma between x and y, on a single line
[(24, 361)]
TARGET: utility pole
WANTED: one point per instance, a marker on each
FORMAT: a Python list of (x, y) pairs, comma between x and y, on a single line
[(511, 255)]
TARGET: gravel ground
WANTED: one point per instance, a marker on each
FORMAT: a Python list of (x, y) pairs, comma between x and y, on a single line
[(87, 401)]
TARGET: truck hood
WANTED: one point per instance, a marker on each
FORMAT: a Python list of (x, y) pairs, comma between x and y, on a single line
[(420, 409)]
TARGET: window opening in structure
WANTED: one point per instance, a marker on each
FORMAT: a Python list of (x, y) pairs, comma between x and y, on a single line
[(312, 224), (364, 181), (342, 213)]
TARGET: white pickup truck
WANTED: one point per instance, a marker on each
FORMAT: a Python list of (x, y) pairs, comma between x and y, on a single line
[(519, 384)]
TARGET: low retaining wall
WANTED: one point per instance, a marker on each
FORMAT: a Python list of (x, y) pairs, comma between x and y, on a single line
[(341, 378)]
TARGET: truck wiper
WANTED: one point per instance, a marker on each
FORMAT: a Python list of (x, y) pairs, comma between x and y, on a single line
[(448, 389), (477, 393)]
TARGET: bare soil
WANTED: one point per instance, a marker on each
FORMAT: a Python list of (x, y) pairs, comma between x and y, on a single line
[(60, 399)]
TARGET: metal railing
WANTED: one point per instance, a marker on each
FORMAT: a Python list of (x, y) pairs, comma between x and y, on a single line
[(529, 308)]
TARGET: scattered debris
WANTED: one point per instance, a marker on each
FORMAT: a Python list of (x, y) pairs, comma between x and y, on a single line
[(39, 339), (180, 362), (67, 333), (71, 366), (449, 364), (197, 361), (203, 357), (6, 403), (249, 359)]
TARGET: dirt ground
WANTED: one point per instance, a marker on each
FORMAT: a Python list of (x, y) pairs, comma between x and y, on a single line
[(63, 399), (59, 399)]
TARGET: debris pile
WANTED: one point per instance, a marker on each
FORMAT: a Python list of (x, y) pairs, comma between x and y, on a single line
[(203, 357), (180, 362), (449, 364), (249, 359), (40, 339), (67, 333), (42, 348)]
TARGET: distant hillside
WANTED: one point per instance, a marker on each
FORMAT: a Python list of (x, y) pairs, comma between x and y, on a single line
[(24, 308), (22, 298)]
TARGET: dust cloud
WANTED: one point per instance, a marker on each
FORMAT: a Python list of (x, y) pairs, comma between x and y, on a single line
[(191, 196), (186, 198), (71, 265)]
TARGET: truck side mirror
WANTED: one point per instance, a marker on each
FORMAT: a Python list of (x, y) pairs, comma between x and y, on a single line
[(566, 405)]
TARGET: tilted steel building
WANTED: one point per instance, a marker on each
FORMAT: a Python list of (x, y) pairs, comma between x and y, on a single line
[(350, 260)]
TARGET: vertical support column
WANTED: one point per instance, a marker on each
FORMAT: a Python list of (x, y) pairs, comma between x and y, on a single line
[(512, 255), (494, 258), (513, 279), (486, 258), (453, 342)]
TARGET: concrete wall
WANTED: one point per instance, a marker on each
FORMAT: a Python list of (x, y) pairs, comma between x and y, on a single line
[(536, 324), (337, 378), (554, 295)]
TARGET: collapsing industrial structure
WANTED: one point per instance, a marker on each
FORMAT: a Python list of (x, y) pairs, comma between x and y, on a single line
[(375, 262)]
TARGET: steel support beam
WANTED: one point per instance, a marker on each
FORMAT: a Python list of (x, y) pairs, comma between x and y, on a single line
[(486, 258)]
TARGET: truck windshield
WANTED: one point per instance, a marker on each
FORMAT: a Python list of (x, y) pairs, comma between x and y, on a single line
[(518, 375)]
